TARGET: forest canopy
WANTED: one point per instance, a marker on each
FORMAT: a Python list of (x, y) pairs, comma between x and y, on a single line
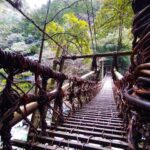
[(74, 27)]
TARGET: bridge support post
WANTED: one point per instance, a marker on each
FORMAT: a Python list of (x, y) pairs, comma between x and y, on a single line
[(102, 69), (61, 64)]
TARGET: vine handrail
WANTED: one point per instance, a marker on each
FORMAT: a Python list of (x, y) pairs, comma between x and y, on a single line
[(15, 106), (132, 92)]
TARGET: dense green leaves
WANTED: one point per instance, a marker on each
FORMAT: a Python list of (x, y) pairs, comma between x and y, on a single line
[(72, 35), (109, 16), (113, 24)]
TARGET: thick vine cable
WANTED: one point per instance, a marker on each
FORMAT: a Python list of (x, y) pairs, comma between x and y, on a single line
[(90, 26), (94, 28)]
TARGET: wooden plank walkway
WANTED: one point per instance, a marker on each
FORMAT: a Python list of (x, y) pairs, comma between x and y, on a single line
[(94, 127)]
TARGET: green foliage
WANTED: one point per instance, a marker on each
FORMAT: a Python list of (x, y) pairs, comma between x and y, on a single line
[(2, 71), (55, 30), (113, 24), (72, 35), (3, 81), (109, 42), (114, 18), (18, 26), (14, 38), (1, 88), (108, 17), (34, 49), (78, 28), (77, 7), (27, 29), (24, 86), (8, 20), (67, 29)]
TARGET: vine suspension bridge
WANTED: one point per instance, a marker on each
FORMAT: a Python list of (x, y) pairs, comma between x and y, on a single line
[(105, 110)]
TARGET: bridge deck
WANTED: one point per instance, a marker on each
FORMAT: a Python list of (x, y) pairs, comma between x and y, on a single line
[(95, 126)]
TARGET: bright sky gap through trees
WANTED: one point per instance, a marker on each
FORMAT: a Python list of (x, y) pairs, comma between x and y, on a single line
[(36, 3)]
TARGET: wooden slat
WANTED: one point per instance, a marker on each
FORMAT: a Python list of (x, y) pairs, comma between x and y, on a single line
[(96, 129), (33, 146), (71, 144), (87, 132), (94, 120), (89, 139), (107, 126), (97, 116)]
